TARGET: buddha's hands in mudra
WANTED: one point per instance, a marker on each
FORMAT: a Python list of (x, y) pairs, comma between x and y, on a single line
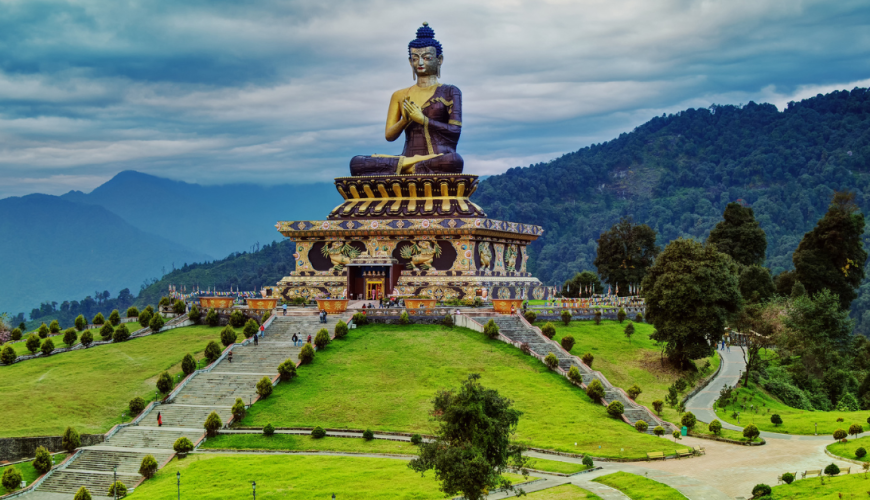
[(413, 112)]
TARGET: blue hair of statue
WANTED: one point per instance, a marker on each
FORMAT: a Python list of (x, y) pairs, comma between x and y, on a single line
[(425, 38)]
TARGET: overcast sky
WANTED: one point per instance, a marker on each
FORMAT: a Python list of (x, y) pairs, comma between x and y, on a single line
[(287, 91)]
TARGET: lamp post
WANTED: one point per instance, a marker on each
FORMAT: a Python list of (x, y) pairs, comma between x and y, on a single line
[(254, 487), (178, 477), (115, 482)]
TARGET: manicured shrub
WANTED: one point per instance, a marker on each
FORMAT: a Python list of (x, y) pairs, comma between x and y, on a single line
[(228, 336), (136, 406), (251, 328), (318, 433), (567, 342), (689, 420), (188, 364), (587, 461), (269, 430), (119, 489), (574, 375), (132, 312), (212, 351), (212, 424), (239, 410), (237, 319), (615, 409), (70, 440), (620, 315), (321, 339), (107, 332), (551, 360), (368, 435), (115, 317), (287, 370), (860, 453), (165, 383), (194, 314), (634, 391), (404, 319), (760, 490), (87, 338), (145, 318), (680, 385), (597, 317), (32, 343), (11, 478), (43, 331), (81, 323), (42, 460), (156, 323), (264, 387), (340, 329), (548, 330), (855, 429), (751, 432), (47, 347), (565, 317), (70, 335), (360, 319), (839, 434), (677, 435), (490, 329), (416, 439), (641, 426), (659, 431), (525, 348), (83, 494), (164, 301), (831, 470), (8, 355), (148, 467), (595, 390), (179, 307), (658, 404), (121, 334), (629, 331), (588, 358), (788, 478), (212, 318), (54, 327), (531, 316), (306, 354), (16, 334), (447, 321), (99, 319), (638, 318), (848, 403), (715, 427), (775, 419)]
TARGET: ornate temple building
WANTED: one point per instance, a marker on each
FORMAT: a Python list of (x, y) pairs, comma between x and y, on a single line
[(407, 226)]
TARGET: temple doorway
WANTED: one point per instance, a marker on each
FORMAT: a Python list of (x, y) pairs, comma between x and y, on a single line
[(374, 289)]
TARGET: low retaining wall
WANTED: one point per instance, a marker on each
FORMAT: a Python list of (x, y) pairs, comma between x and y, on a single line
[(12, 449)]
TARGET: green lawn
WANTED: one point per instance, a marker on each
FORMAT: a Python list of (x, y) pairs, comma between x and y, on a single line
[(639, 488), (564, 492), (847, 449), (627, 363), (701, 430), (28, 473), (794, 421), (383, 377), (555, 466), (216, 476), (89, 389), (291, 442), (21, 347), (835, 488)]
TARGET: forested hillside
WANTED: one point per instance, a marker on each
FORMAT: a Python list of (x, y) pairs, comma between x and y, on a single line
[(677, 173)]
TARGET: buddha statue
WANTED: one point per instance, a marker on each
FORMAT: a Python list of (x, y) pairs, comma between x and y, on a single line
[(430, 115)]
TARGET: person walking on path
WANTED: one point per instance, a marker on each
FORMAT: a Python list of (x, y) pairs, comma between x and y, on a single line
[(295, 339), (159, 420), (285, 309), (309, 338), (262, 331), (256, 340), (230, 356)]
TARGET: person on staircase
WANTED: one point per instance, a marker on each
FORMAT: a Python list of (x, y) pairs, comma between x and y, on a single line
[(230, 356), (295, 340), (256, 340), (159, 420), (309, 338), (285, 309)]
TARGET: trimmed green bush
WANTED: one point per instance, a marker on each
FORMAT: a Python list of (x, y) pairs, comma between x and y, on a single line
[(318, 433), (306, 354), (268, 430), (11, 478), (715, 427), (321, 339), (340, 329), (404, 319), (132, 312), (689, 420), (148, 467), (620, 315), (47, 347), (368, 435), (81, 323), (83, 494), (70, 335), (595, 390), (659, 431), (121, 334), (228, 336), (212, 318), (760, 490), (145, 318), (212, 424), (237, 319), (567, 342), (54, 327), (106, 332), (615, 409), (831, 470), (156, 323), (287, 370), (212, 351), (164, 301), (574, 375), (251, 328), (638, 318), (860, 453), (551, 360), (99, 319), (360, 319), (239, 410), (855, 429), (179, 307), (70, 440), (530, 316), (839, 434), (776, 420), (597, 317), (165, 383), (16, 334), (43, 331), (490, 329), (136, 406), (87, 338), (194, 314), (115, 317), (120, 489), (32, 343), (788, 478), (42, 460), (447, 321), (8, 355), (188, 364), (588, 358), (548, 330), (658, 405), (416, 439), (264, 387), (634, 391), (751, 432), (587, 461), (565, 317)]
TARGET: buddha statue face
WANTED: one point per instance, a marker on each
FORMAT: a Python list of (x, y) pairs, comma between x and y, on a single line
[(425, 61)]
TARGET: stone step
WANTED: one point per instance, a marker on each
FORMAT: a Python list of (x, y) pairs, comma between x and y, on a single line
[(139, 437), (105, 461), (69, 482), (180, 415)]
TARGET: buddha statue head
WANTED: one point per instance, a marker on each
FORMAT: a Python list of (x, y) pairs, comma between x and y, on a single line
[(424, 53)]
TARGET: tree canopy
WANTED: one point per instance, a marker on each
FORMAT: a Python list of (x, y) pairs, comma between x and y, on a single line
[(582, 285), (739, 235), (625, 252)]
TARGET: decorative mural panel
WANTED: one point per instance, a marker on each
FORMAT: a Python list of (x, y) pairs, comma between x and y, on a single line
[(525, 258), (499, 257)]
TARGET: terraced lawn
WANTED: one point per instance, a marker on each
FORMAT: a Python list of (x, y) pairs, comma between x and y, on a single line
[(28, 473), (835, 488), (89, 389), (564, 492), (384, 377), (639, 488), (847, 449), (289, 477), (291, 442)]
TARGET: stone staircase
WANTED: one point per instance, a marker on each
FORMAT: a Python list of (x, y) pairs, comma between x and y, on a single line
[(215, 390), (517, 330)]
